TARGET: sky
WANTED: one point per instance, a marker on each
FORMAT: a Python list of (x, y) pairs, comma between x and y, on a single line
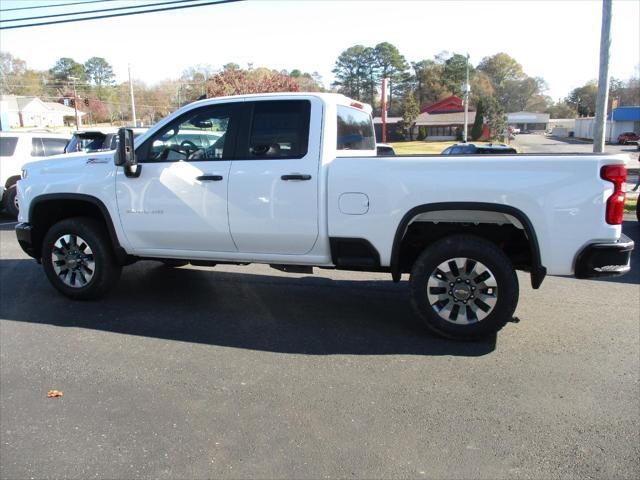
[(557, 40)]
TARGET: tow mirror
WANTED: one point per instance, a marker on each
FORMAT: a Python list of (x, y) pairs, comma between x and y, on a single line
[(126, 154)]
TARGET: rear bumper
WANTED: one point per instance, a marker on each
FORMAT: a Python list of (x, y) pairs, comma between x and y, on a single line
[(24, 233), (605, 259)]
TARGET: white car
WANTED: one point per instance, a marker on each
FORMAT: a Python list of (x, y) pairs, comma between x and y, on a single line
[(18, 148), (293, 180)]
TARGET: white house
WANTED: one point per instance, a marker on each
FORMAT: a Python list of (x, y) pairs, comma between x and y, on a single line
[(33, 112)]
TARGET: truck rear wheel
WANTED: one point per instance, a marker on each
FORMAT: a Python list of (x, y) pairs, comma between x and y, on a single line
[(78, 258), (464, 287)]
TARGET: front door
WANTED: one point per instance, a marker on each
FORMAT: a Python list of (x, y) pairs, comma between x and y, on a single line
[(273, 182), (179, 201)]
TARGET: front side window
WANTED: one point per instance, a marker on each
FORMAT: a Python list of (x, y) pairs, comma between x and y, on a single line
[(279, 129), (8, 146), (355, 129), (199, 135)]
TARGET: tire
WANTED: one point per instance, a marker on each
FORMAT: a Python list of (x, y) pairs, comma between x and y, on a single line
[(10, 201), (491, 299), (87, 258)]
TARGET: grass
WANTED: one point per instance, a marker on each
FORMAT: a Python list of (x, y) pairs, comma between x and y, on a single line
[(424, 148), (630, 205)]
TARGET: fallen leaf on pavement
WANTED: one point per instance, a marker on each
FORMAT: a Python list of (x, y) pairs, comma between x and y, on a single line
[(54, 393)]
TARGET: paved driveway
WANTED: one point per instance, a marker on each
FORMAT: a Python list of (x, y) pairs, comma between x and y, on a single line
[(246, 372)]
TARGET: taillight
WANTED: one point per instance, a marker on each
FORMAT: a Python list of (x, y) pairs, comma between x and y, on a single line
[(357, 105), (616, 174)]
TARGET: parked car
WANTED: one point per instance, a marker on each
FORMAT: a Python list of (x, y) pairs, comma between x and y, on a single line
[(628, 137), (96, 140), (18, 148), (294, 181), (479, 149), (385, 150)]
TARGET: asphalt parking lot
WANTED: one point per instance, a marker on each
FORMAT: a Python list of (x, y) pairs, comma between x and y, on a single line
[(238, 372)]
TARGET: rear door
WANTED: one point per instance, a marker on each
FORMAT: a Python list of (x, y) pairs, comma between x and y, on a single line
[(273, 182)]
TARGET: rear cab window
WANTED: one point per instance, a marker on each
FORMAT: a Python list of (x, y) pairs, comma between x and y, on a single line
[(355, 129), (8, 146)]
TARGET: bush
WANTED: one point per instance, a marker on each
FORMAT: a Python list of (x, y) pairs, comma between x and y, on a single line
[(422, 133)]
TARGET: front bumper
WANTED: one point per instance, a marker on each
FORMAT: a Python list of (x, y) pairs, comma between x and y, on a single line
[(24, 232), (605, 259)]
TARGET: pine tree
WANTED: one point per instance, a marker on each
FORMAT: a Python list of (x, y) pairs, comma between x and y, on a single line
[(476, 130)]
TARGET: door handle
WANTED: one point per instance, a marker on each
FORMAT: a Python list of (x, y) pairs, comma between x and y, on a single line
[(209, 178), (296, 176)]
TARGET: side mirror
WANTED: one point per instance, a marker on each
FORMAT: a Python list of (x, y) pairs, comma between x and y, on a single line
[(126, 154)]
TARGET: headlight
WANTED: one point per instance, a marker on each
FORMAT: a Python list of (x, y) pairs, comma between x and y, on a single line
[(23, 174)]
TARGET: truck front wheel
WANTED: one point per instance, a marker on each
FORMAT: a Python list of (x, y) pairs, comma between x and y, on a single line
[(78, 258), (464, 287)]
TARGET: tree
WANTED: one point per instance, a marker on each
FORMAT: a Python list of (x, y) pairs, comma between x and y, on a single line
[(351, 72), (410, 112), (561, 109), (11, 68), (67, 67), (260, 80), (99, 72), (583, 99), (427, 82), (478, 123), (454, 73), (500, 68), (392, 65), (495, 116)]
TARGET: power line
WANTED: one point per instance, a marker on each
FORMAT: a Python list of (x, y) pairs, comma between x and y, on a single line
[(52, 6), (68, 14), (177, 7)]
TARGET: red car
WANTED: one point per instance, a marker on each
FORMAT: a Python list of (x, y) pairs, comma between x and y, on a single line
[(628, 137)]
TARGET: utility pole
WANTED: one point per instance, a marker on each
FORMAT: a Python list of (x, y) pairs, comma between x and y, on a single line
[(133, 100), (75, 101), (466, 90), (383, 105), (603, 79)]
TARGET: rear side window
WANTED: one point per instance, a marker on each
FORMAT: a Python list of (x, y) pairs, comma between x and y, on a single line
[(8, 146), (279, 129), (355, 129), (53, 146)]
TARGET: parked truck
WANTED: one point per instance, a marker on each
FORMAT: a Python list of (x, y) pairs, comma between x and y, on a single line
[(293, 180)]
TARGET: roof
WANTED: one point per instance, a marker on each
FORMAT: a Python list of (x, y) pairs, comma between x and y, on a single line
[(17, 103), (625, 114), (10, 101), (435, 119), (378, 120), (62, 108), (528, 117), (449, 104)]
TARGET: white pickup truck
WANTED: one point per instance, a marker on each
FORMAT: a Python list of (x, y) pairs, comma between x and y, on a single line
[(293, 180)]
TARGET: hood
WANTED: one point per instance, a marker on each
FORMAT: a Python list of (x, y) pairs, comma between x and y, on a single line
[(70, 161)]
